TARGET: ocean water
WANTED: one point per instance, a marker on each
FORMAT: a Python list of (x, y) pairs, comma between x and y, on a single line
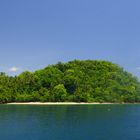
[(70, 122)]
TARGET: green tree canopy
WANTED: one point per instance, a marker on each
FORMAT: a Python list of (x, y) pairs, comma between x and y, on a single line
[(80, 81)]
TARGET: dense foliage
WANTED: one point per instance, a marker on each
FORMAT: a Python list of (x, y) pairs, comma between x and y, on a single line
[(78, 81)]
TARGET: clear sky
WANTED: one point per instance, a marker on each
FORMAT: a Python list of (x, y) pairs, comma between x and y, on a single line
[(35, 33)]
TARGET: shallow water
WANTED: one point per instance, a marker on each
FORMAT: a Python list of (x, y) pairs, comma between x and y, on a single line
[(70, 122)]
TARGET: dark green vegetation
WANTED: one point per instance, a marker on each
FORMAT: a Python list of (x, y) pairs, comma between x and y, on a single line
[(78, 81)]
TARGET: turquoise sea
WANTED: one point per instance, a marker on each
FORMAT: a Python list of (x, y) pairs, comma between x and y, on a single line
[(70, 122)]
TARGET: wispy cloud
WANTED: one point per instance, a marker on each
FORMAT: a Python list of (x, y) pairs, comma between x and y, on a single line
[(13, 69), (138, 68)]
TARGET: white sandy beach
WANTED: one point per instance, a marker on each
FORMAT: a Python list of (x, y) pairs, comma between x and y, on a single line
[(57, 103)]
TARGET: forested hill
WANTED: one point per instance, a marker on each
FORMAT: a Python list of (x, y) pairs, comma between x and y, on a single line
[(75, 81)]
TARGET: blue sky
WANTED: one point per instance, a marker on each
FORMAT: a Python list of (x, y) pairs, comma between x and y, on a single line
[(35, 33)]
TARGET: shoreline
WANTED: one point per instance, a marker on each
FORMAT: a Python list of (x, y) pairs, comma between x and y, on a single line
[(62, 103)]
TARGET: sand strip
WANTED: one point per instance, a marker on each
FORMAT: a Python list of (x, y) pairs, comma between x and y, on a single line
[(57, 103)]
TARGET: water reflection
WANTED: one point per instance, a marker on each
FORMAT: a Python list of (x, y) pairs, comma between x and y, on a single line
[(71, 122)]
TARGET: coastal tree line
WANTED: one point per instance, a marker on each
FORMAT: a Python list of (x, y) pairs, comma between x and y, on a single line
[(75, 81)]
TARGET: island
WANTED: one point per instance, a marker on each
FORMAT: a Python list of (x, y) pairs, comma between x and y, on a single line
[(80, 81)]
